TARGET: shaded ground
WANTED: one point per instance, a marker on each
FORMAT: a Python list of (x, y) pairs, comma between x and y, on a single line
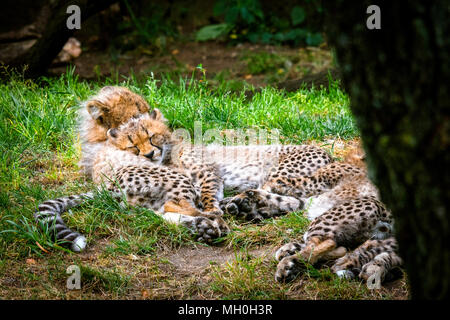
[(187, 273), (256, 64)]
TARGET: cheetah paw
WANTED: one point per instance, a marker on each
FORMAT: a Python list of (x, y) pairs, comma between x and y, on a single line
[(241, 208), (288, 249), (371, 270), (208, 229), (288, 269), (221, 225)]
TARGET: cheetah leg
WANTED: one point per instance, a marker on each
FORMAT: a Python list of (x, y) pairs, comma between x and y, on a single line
[(380, 266), (181, 207), (316, 249), (291, 265), (211, 189), (366, 260), (335, 254), (258, 204), (300, 187), (211, 194)]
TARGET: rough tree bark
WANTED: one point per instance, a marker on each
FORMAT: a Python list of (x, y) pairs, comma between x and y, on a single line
[(55, 35), (397, 78)]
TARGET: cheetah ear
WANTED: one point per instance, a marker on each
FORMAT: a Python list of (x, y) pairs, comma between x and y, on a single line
[(96, 109), (113, 133), (142, 106), (157, 115), (106, 89)]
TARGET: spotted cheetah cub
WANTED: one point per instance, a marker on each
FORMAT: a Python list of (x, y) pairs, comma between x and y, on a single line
[(122, 166), (345, 213), (329, 185), (212, 169), (109, 108), (346, 225)]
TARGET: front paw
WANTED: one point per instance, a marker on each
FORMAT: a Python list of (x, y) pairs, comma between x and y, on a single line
[(289, 268), (288, 249), (204, 228), (371, 269), (221, 225), (208, 229), (242, 206)]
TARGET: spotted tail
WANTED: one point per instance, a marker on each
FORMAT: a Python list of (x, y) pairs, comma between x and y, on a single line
[(49, 216)]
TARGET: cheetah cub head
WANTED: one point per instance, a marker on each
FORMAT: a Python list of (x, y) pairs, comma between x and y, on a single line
[(109, 108), (113, 106), (146, 136)]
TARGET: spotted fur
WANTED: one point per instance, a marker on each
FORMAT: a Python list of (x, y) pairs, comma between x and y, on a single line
[(120, 168), (322, 180), (343, 227), (372, 258), (278, 163), (346, 212), (109, 108), (213, 169)]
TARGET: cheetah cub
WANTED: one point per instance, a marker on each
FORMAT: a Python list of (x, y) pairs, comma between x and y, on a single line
[(329, 185), (346, 225), (109, 108), (345, 213), (211, 168), (122, 166)]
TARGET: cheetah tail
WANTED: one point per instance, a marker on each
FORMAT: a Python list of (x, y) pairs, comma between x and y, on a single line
[(48, 215)]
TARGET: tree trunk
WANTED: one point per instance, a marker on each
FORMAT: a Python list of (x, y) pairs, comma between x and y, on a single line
[(397, 78), (39, 57)]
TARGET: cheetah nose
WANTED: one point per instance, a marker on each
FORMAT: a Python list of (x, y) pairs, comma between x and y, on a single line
[(150, 155)]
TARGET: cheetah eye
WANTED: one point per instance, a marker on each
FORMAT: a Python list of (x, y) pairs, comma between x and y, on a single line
[(135, 149), (156, 146)]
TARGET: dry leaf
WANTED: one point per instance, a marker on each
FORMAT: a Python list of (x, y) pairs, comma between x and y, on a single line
[(40, 247)]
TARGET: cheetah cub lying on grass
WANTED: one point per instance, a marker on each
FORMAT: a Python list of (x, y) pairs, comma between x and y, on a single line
[(345, 214), (212, 168), (118, 168), (122, 142)]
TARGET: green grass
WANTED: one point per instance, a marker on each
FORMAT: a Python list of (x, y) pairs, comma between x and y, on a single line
[(96, 279), (38, 132), (247, 277), (39, 152), (271, 231)]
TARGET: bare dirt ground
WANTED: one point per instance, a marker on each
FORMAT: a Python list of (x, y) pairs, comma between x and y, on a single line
[(215, 57)]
